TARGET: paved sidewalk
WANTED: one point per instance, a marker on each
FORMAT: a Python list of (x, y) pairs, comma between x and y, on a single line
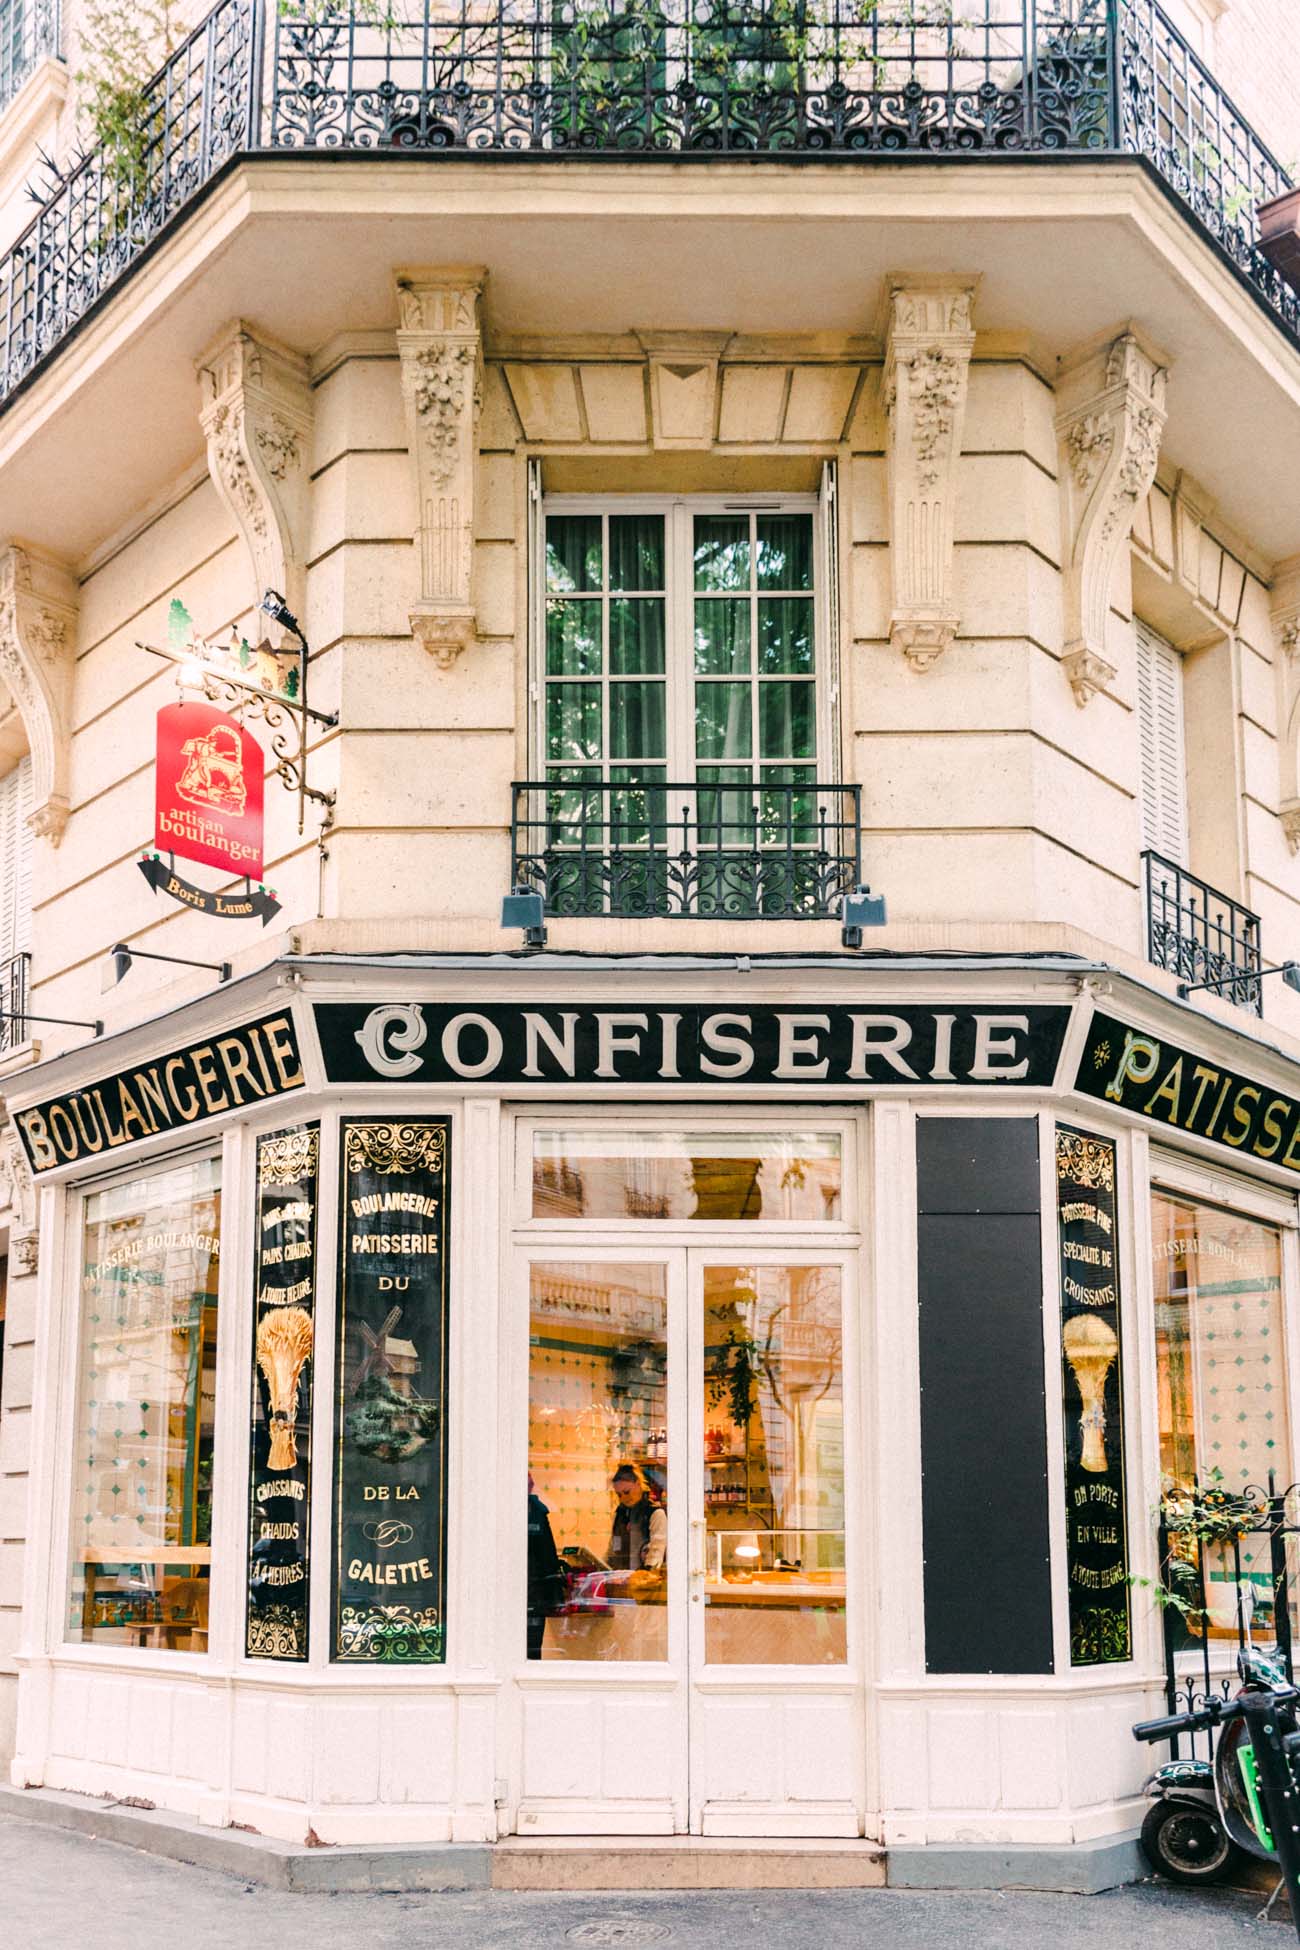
[(62, 1892)]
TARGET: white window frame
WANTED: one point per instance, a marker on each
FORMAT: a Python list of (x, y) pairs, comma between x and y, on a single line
[(678, 511)]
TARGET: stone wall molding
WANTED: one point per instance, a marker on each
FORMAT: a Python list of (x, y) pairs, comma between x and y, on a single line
[(1285, 605), (1109, 424), (440, 343), (38, 642), (257, 418), (928, 349)]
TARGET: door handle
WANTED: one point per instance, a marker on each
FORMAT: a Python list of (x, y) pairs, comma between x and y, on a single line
[(699, 1539)]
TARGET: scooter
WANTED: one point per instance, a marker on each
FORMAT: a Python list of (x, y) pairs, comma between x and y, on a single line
[(1205, 1816)]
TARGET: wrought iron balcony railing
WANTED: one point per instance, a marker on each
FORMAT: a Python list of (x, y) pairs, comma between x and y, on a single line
[(1201, 935), (29, 30), (690, 850), (622, 79), (14, 987)]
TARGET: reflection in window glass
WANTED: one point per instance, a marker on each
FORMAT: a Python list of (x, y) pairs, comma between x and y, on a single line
[(1220, 1367), (142, 1481), (598, 1479), (773, 1465), (703, 1175)]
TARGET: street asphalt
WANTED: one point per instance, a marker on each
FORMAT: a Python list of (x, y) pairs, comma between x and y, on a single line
[(65, 1892)]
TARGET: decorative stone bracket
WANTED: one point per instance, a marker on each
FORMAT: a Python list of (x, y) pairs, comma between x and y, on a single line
[(18, 1193), (1286, 622), (440, 342), (257, 416), (38, 629), (927, 368), (1111, 418)]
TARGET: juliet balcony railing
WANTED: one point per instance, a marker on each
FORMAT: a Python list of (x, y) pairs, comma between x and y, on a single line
[(687, 850), (1201, 935), (14, 988), (829, 80)]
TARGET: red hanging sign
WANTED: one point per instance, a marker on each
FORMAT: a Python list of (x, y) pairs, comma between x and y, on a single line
[(209, 779)]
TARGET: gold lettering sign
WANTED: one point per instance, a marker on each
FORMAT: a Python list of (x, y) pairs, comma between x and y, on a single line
[(248, 1066)]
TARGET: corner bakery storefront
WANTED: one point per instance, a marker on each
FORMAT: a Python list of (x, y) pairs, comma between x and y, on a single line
[(562, 1396)]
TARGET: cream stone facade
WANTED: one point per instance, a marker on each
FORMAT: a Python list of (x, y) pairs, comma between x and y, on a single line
[(1034, 416)]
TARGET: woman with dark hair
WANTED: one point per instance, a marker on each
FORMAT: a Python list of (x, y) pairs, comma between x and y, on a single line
[(639, 1538)]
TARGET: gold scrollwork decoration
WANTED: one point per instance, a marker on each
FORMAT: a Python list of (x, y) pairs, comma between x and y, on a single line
[(276, 1632), (1086, 1160), (288, 1157), (390, 1149)]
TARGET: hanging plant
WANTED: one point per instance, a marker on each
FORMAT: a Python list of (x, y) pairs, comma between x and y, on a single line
[(1195, 1515)]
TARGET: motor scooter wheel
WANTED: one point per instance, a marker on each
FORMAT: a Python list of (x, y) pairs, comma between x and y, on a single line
[(1186, 1844)]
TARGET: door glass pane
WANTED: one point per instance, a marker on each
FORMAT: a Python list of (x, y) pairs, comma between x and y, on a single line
[(636, 637), (620, 1174), (598, 1480), (573, 639), (722, 551), (1221, 1372), (785, 635), (636, 551), (146, 1392), (773, 1466), (722, 721), (721, 636), (786, 721), (637, 728), (785, 552), (572, 553)]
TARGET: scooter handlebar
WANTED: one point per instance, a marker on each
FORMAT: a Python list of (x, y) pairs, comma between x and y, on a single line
[(1210, 1716)]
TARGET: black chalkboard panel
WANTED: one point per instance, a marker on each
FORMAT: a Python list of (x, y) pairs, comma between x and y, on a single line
[(988, 1596)]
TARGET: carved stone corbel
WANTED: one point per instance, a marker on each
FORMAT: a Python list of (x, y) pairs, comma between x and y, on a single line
[(440, 343), (38, 637), (927, 367), (18, 1193), (1108, 427), (1286, 622), (257, 416)]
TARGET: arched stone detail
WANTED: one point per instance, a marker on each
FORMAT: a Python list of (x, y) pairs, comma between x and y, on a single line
[(38, 633)]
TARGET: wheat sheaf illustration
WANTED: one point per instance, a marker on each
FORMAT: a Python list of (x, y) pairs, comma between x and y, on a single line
[(284, 1340)]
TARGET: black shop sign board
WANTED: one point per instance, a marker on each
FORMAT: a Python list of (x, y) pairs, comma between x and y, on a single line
[(727, 1045), (236, 1070), (1178, 1090)]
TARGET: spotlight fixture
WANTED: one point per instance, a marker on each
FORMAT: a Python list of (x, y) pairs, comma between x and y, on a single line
[(525, 908), (858, 910), (274, 606)]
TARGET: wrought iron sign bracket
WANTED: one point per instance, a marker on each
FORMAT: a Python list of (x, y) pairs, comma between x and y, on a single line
[(286, 713)]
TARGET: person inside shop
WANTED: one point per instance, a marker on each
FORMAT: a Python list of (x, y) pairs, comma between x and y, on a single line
[(547, 1584), (639, 1538)]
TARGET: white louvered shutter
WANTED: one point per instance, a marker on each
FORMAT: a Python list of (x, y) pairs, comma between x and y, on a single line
[(1163, 787), (15, 860), (829, 664)]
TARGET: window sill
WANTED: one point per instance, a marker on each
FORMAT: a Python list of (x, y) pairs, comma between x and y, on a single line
[(37, 102), (21, 1057)]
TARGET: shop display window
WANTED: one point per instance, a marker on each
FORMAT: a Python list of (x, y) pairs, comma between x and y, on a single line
[(598, 1473), (773, 1465), (620, 1174), (1221, 1372), (141, 1532)]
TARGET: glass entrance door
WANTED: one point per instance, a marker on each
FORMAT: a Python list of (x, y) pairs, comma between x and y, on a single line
[(689, 1658)]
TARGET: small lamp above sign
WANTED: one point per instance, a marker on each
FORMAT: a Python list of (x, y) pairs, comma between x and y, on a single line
[(120, 958), (858, 910)]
